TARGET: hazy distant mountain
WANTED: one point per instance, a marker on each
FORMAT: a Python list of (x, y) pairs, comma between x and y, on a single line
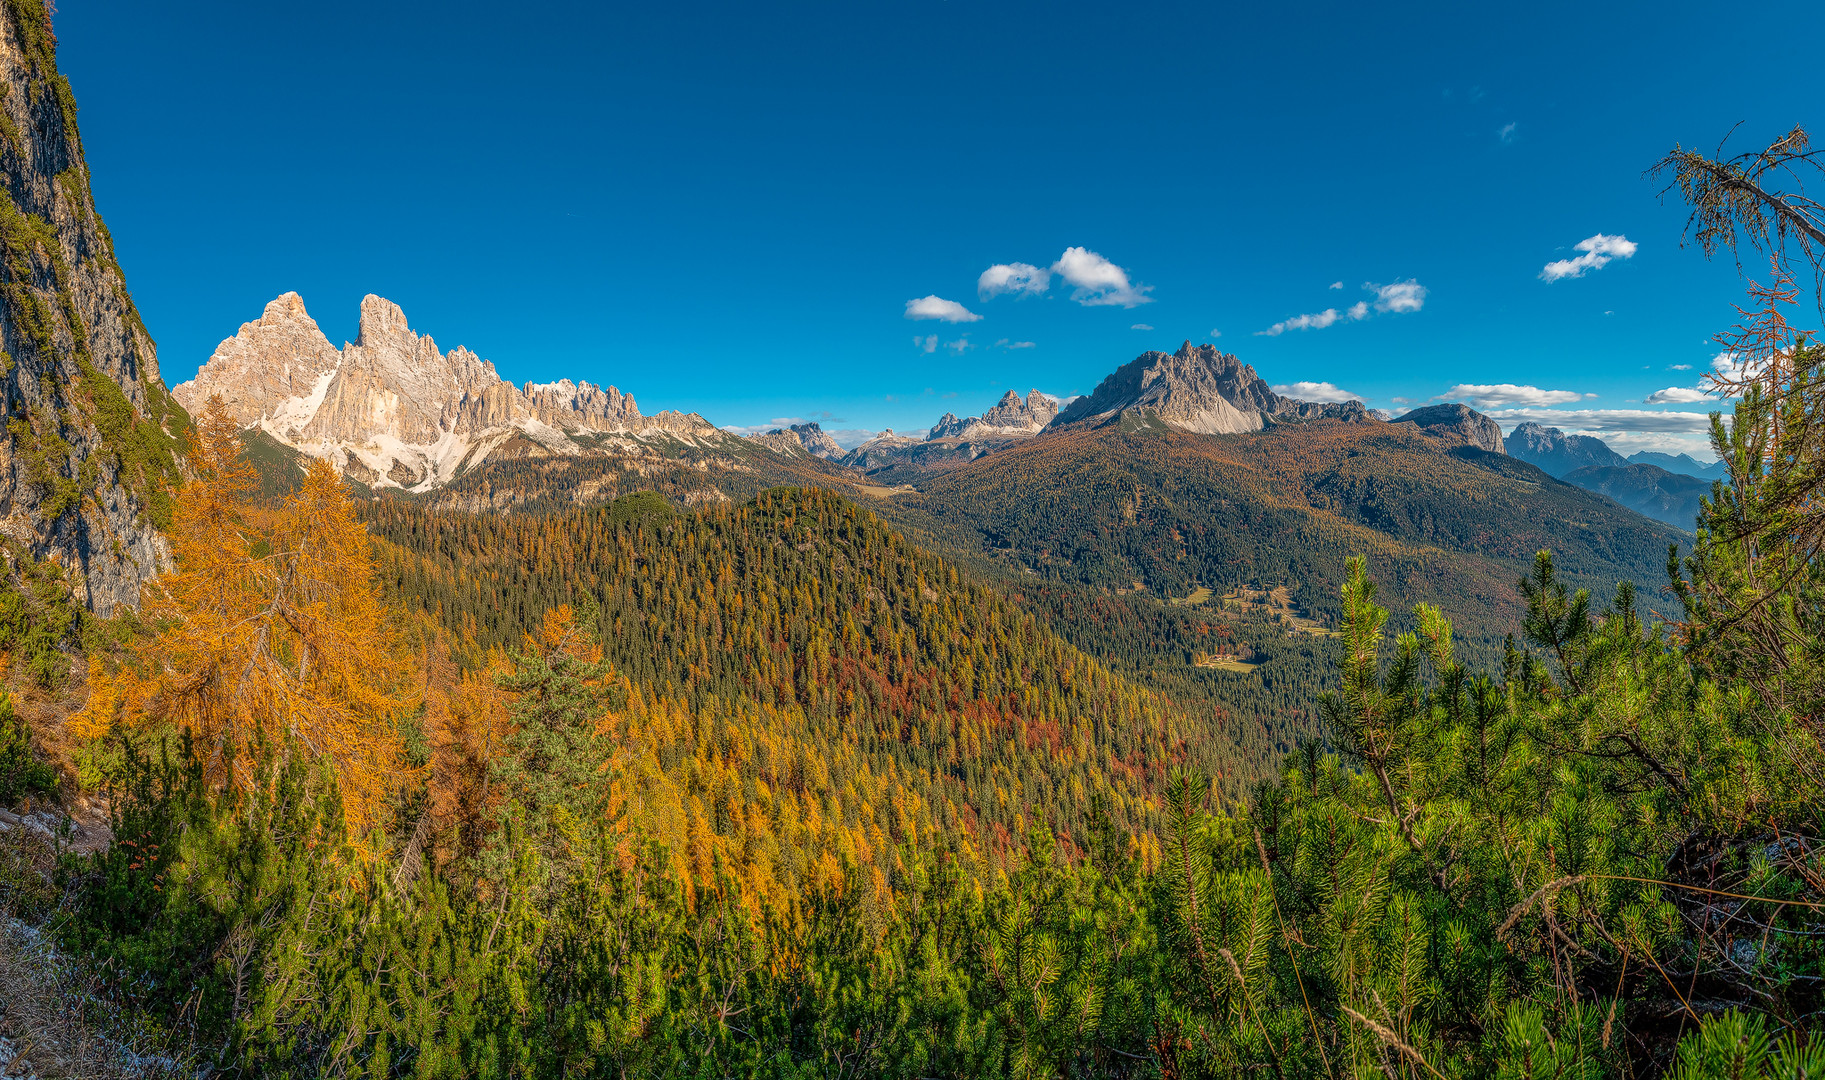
[(391, 410), (808, 437), (1196, 389), (1649, 490), (1456, 425), (1557, 453), (1684, 464), (882, 451), (1011, 418)]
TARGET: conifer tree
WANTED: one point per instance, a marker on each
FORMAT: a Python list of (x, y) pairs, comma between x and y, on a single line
[(270, 632)]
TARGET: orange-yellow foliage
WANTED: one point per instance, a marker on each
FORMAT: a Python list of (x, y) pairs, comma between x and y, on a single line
[(270, 630)]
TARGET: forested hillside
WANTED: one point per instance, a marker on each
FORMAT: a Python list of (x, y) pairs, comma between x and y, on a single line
[(1170, 511), (800, 624)]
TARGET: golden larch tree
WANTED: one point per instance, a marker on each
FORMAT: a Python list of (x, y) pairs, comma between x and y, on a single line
[(271, 631)]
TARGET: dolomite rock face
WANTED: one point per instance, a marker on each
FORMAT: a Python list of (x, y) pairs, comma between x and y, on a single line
[(881, 451), (1197, 389), (393, 410), (76, 354), (1011, 418), (808, 438)]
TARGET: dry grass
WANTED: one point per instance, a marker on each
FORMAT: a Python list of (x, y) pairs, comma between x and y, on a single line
[(56, 1023), (55, 1018)]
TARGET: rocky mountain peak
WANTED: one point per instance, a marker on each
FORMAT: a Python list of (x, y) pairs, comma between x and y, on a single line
[(391, 409), (381, 319), (1456, 424), (1011, 418), (1198, 388), (1558, 454), (807, 438)]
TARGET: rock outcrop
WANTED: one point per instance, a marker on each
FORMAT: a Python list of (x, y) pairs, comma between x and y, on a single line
[(1556, 454), (1011, 418), (882, 451), (1456, 425), (1198, 389), (393, 410), (806, 438), (87, 465)]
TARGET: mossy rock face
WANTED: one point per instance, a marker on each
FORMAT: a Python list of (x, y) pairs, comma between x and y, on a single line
[(94, 438)]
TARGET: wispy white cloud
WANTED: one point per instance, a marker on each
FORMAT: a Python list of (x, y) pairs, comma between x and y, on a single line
[(1020, 279), (1315, 391), (1679, 367), (1497, 395), (1140, 326), (960, 346), (750, 430), (1667, 422), (1598, 251), (928, 343), (1214, 334), (936, 307), (1507, 134), (850, 438), (1676, 395), (1400, 297), (1317, 320), (1336, 284), (1006, 344), (1631, 442), (1097, 282)]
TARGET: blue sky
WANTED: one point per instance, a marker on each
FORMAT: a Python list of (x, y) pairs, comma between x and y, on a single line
[(729, 208)]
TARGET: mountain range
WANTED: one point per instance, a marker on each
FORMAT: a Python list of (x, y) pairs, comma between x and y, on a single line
[(1664, 487), (391, 410)]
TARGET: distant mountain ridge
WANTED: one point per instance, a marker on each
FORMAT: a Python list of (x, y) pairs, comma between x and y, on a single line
[(1664, 487), (1557, 453), (808, 437), (392, 411), (1197, 389), (1682, 464), (1011, 418), (1649, 490)]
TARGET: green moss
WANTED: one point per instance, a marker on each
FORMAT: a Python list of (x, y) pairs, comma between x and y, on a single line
[(40, 617), (9, 130), (75, 191), (45, 455), (22, 238), (143, 453)]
